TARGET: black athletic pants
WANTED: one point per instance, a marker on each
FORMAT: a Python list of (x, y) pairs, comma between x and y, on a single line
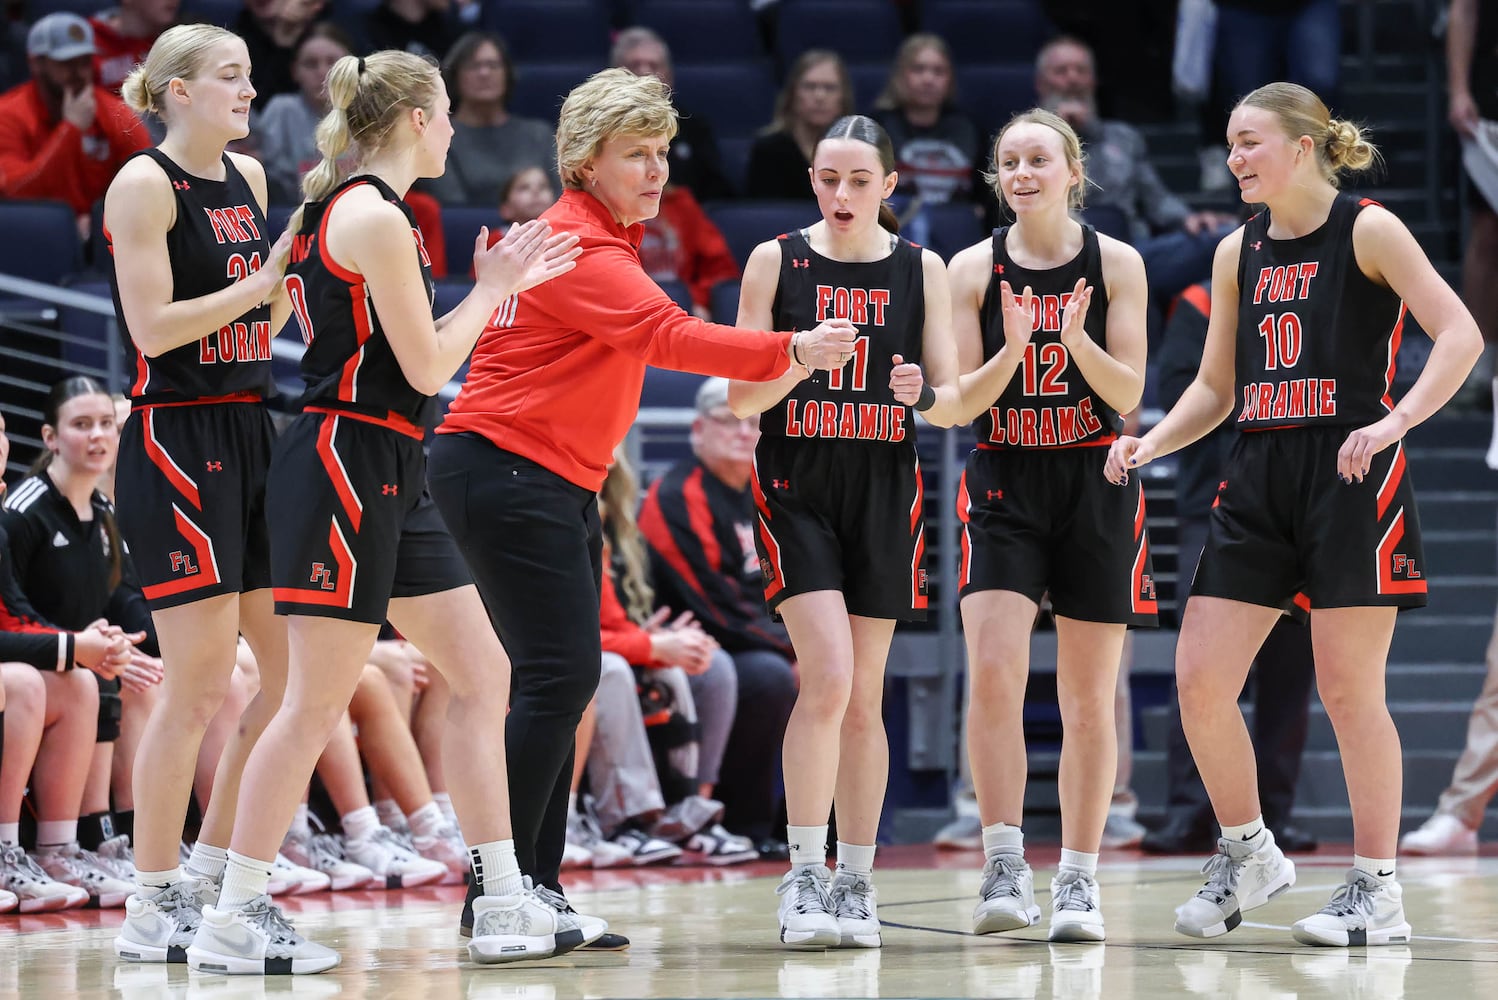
[(535, 547)]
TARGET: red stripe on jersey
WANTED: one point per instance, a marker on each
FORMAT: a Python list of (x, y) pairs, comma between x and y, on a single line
[(142, 373), (337, 474), (917, 599), (348, 384), (1395, 336), (342, 594), (391, 421), (202, 547), (700, 513), (322, 241), (775, 578), (1142, 605), (965, 514), (920, 496), (759, 493), (1385, 556), (1390, 486), (1094, 443), (1199, 298), (233, 397), (653, 526), (174, 473), (1139, 515)]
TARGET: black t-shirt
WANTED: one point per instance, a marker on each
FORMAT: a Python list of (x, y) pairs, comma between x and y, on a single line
[(778, 169), (938, 162)]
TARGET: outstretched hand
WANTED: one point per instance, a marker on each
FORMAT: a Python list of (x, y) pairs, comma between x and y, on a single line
[(528, 255)]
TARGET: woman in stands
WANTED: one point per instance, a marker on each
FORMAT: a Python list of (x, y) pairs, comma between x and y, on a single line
[(838, 486), (355, 537), (193, 274), (1050, 320), (1308, 300), (817, 92), (553, 388)]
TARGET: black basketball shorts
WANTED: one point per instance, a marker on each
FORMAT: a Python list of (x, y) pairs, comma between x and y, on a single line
[(190, 499), (846, 516), (351, 522), (1283, 523), (1045, 519)]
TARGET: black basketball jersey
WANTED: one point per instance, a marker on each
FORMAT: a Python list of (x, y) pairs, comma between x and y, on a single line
[(1048, 403), (349, 364), (1317, 339), (886, 300), (219, 237)]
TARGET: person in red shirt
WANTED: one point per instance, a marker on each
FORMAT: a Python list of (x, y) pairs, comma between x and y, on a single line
[(553, 386), (61, 136), (123, 37), (682, 244)]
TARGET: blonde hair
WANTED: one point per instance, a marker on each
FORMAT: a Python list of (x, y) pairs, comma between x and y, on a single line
[(610, 102), (893, 95), (1071, 147), (620, 499), (805, 63), (367, 96), (1339, 144), (177, 54)]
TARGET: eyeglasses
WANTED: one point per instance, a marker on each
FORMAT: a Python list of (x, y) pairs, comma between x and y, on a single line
[(726, 420)]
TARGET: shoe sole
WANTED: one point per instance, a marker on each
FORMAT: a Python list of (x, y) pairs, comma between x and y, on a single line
[(201, 960), (1076, 933), (498, 949), (49, 905), (861, 941), (394, 881), (1399, 934), (146, 954), (997, 921), (607, 942), (811, 940)]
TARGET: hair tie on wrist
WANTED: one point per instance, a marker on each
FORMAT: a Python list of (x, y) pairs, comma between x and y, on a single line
[(795, 354), (361, 65), (926, 399)]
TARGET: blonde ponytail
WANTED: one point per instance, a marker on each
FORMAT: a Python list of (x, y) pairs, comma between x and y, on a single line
[(1346, 149), (177, 53), (368, 96)]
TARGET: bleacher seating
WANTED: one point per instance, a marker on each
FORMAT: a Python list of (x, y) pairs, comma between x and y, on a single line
[(220, 12), (992, 93), (861, 30), (460, 226), (738, 98), (50, 250), (685, 24), (747, 224), (988, 31), (678, 291), (540, 88), (725, 302), (551, 30)]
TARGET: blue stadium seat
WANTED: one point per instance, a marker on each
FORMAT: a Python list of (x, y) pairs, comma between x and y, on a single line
[(735, 153), (91, 327), (446, 294), (220, 12), (954, 227), (551, 30), (679, 292), (986, 31), (746, 224), (51, 249), (38, 9), (339, 9), (992, 93), (861, 30), (703, 31), (540, 88), (725, 302), (276, 218), (738, 98), (1109, 220), (668, 388), (460, 226), (869, 79)]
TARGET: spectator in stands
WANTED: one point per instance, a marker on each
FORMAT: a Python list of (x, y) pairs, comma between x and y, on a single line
[(938, 149), (124, 34), (1284, 670), (272, 30), (698, 520), (422, 27), (489, 144), (1176, 242), (62, 136), (695, 161), (817, 92), (526, 195), (682, 244), (286, 129)]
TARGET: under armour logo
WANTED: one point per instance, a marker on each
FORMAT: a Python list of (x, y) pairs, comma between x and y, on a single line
[(801, 262), (780, 484), (390, 490), (215, 466), (998, 269), (1256, 244), (182, 562), (1222, 486), (322, 576), (182, 185), (995, 494)]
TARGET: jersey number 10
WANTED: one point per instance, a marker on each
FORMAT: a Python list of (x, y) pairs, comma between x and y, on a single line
[(1281, 340)]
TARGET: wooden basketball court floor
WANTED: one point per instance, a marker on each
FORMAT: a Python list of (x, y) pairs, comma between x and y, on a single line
[(711, 933)]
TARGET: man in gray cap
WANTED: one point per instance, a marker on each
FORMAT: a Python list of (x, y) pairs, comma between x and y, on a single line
[(61, 136)]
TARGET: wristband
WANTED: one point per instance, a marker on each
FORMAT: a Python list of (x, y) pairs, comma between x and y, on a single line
[(926, 399)]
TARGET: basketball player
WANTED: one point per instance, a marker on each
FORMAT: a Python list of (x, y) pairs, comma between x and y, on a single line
[(353, 526), (838, 485), (193, 271), (1051, 368), (1308, 301)]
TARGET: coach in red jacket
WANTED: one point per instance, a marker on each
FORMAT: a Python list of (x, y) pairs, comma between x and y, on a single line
[(552, 389)]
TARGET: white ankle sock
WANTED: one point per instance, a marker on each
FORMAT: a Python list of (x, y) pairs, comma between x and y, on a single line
[(158, 880), (445, 803), (808, 845), (360, 823), (1381, 870), (207, 861), (855, 858), (1078, 861), (56, 833), (301, 823), (1251, 833), (426, 821), (1001, 838), (494, 864), (389, 812), (244, 879), (10, 833)]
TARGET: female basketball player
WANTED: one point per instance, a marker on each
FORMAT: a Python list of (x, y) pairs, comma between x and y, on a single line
[(838, 487), (1050, 368), (193, 271), (354, 533), (1316, 504)]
